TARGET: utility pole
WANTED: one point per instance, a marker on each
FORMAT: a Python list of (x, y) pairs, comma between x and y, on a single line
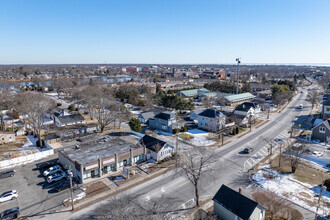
[(268, 113), (318, 202), (279, 159), (70, 176), (238, 62)]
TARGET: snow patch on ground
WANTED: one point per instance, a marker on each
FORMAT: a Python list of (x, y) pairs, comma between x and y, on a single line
[(298, 192), (200, 138), (317, 160)]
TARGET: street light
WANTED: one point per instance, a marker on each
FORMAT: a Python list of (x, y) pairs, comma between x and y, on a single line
[(70, 176), (238, 62)]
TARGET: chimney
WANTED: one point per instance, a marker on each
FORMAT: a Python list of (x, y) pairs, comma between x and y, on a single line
[(240, 190)]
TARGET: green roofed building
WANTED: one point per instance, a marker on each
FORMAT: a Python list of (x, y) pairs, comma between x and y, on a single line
[(238, 98), (191, 93)]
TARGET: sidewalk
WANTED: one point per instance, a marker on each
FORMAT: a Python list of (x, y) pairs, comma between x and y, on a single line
[(113, 190)]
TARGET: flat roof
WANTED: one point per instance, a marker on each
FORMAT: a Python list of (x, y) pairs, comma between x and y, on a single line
[(91, 152), (239, 97)]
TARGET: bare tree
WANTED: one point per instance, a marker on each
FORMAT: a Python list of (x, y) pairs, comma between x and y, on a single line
[(313, 97), (274, 204), (61, 85), (33, 108), (78, 98), (130, 208), (123, 114), (294, 153), (197, 166), (207, 102)]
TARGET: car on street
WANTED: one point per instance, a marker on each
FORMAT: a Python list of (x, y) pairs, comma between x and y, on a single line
[(10, 195), (248, 150), (12, 213), (318, 153), (56, 177), (52, 170), (47, 164), (7, 173)]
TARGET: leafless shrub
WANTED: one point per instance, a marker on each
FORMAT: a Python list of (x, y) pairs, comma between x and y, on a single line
[(274, 204)]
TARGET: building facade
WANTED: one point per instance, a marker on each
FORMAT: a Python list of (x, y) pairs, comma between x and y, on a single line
[(97, 159)]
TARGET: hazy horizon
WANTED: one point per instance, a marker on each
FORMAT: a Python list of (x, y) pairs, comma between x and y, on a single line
[(164, 32)]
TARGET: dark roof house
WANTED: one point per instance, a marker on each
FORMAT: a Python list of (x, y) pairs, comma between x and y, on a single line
[(152, 143), (210, 113), (246, 106), (229, 204), (69, 120)]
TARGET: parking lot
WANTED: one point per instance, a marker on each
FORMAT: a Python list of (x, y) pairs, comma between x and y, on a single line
[(35, 196)]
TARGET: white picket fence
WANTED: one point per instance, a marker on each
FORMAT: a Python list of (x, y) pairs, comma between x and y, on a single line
[(25, 159)]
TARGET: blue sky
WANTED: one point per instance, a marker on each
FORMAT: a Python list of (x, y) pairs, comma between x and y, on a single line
[(164, 31)]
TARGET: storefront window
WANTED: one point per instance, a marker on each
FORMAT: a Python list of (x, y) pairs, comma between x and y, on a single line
[(87, 175), (121, 164)]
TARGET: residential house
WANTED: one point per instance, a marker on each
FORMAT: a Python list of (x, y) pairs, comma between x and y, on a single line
[(156, 149), (164, 121), (211, 120), (247, 109), (62, 121), (232, 205), (257, 87), (145, 116), (325, 114), (7, 137), (322, 131)]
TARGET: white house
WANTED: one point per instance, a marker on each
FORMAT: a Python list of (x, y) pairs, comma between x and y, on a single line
[(157, 149), (246, 109), (211, 120)]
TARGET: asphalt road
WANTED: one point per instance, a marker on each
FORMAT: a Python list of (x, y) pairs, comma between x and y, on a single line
[(229, 167)]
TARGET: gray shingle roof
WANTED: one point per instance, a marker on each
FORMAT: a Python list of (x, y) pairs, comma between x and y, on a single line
[(68, 119), (210, 113)]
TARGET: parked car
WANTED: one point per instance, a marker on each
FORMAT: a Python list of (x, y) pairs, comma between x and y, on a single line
[(56, 177), (52, 170), (248, 150), (47, 164), (12, 213), (64, 185), (308, 151), (318, 153), (10, 195), (7, 173)]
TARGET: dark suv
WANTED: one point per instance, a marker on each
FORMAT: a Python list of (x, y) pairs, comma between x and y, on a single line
[(12, 213), (7, 173)]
